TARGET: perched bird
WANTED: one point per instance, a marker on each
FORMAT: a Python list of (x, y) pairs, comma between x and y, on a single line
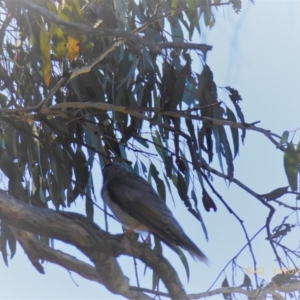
[(138, 207)]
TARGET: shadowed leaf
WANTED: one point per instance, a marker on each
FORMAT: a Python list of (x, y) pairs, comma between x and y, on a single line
[(290, 165), (208, 202), (160, 185), (225, 284), (182, 188), (234, 94), (234, 131), (247, 282), (277, 193), (183, 260), (169, 165)]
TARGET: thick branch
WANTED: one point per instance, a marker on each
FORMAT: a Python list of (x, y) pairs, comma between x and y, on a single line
[(99, 246)]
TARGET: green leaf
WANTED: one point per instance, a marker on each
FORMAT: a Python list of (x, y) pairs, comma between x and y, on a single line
[(227, 152), (169, 165), (89, 205), (81, 172), (284, 138), (144, 168), (176, 30), (12, 243), (192, 15), (218, 147), (3, 100), (247, 281), (93, 141), (194, 197), (191, 129), (178, 91), (160, 185), (129, 65), (136, 168), (236, 5), (169, 187), (158, 144), (174, 5), (290, 162), (225, 284), (183, 260), (142, 141), (298, 153), (277, 193), (181, 187), (4, 236), (42, 195), (157, 249), (234, 131), (45, 54)]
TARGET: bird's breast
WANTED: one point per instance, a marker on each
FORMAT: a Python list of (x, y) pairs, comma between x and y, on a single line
[(124, 218)]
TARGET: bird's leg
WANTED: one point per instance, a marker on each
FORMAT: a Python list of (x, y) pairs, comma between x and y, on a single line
[(133, 228), (147, 240)]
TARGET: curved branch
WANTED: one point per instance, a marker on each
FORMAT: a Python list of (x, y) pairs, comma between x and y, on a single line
[(36, 250), (101, 247)]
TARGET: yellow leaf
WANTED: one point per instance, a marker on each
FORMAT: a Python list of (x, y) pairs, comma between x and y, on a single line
[(45, 54), (52, 30), (174, 6), (73, 47)]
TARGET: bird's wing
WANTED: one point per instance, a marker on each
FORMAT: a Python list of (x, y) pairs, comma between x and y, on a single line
[(139, 200)]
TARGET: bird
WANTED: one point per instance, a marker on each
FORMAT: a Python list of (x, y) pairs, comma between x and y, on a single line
[(138, 207)]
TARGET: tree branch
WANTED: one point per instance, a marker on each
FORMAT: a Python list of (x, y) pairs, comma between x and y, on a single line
[(118, 33), (56, 109), (36, 250), (99, 246)]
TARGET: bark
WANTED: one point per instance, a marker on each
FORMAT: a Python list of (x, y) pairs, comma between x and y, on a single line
[(101, 248)]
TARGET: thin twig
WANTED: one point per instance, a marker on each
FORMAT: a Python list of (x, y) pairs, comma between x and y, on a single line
[(230, 210)]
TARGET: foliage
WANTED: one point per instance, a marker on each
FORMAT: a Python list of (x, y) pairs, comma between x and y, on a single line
[(85, 82)]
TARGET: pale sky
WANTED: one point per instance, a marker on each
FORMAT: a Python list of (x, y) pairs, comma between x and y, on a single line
[(257, 53)]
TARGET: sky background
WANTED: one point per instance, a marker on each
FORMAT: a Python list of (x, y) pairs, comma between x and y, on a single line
[(257, 53)]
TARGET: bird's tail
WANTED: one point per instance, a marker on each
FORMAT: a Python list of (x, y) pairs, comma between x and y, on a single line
[(187, 244), (195, 252)]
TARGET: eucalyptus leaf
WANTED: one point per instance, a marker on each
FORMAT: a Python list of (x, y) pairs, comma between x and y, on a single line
[(160, 185), (158, 144), (183, 260), (234, 131), (275, 194), (290, 162), (284, 138)]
